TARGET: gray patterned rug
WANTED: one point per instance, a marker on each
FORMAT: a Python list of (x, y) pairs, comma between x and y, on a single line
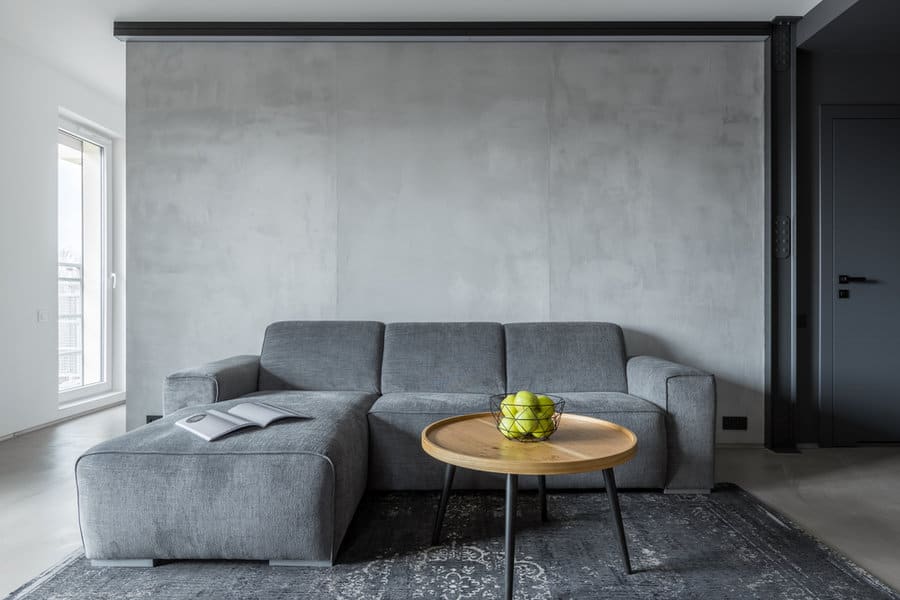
[(725, 545)]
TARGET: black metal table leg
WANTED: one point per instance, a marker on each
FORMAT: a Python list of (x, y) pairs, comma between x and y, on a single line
[(449, 472), (616, 514), (512, 491), (542, 495)]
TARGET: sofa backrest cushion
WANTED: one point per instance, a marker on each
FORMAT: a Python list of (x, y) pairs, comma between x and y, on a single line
[(444, 357), (322, 356), (565, 357)]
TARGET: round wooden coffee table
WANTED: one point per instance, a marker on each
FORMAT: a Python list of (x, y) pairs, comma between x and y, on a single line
[(580, 444)]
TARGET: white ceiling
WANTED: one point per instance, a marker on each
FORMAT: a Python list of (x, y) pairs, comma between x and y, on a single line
[(75, 36)]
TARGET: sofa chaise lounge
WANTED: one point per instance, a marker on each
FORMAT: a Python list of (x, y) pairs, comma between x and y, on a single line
[(287, 493)]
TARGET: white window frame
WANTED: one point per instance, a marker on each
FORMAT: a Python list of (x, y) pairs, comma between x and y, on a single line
[(70, 398)]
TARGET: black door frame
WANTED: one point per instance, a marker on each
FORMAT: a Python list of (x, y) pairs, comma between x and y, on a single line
[(781, 242), (828, 114)]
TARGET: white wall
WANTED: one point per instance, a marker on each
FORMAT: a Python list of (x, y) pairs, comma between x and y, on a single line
[(448, 181), (33, 94)]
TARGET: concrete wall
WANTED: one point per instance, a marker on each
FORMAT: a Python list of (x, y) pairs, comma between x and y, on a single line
[(448, 181), (34, 95)]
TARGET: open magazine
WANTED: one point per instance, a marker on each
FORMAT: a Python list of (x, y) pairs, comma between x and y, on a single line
[(212, 424)]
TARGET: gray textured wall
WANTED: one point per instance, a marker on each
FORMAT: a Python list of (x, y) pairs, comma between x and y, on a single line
[(448, 181)]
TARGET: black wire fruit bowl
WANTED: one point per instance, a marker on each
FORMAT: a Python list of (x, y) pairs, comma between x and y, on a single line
[(526, 416)]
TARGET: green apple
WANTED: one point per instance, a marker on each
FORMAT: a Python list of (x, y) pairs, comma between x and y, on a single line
[(508, 428), (543, 428), (527, 413), (525, 424), (526, 399), (545, 407), (508, 406)]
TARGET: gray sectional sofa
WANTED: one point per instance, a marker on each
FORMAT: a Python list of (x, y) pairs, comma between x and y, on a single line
[(287, 493)]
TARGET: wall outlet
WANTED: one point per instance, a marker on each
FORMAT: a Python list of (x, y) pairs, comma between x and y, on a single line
[(734, 423), (151, 418), (42, 316)]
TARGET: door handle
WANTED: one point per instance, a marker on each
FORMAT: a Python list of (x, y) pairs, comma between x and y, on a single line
[(842, 279)]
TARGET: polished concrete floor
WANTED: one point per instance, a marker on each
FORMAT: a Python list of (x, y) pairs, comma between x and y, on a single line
[(38, 524), (848, 498)]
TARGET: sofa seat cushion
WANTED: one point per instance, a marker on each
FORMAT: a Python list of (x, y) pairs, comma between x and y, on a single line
[(397, 461), (591, 403), (648, 468), (396, 421), (440, 404), (287, 491)]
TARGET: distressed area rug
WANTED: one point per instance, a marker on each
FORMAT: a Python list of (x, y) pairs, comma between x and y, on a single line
[(725, 545)]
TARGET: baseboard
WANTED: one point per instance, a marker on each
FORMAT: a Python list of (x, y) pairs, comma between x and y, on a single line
[(745, 446), (84, 413)]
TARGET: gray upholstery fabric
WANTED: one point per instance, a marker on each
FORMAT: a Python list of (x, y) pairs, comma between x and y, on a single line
[(444, 357), (322, 355), (565, 357), (284, 492), (289, 491), (212, 382), (397, 461), (648, 468), (689, 398)]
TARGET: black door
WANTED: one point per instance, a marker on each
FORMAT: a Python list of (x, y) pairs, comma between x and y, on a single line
[(864, 287)]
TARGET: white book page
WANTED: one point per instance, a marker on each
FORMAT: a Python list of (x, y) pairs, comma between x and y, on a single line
[(211, 425), (259, 413), (236, 419)]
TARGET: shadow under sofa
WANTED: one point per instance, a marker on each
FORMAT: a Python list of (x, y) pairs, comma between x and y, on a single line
[(287, 493)]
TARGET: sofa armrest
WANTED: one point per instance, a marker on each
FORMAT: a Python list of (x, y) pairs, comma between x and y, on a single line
[(213, 382), (688, 396)]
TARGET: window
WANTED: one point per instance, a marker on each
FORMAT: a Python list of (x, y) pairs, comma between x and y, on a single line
[(82, 276)]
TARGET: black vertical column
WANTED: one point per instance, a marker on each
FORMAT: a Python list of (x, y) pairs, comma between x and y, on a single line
[(782, 349)]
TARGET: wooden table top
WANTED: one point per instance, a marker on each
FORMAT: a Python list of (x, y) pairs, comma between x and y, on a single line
[(580, 444)]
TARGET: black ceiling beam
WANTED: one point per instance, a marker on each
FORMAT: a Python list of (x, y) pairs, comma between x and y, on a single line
[(200, 30)]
